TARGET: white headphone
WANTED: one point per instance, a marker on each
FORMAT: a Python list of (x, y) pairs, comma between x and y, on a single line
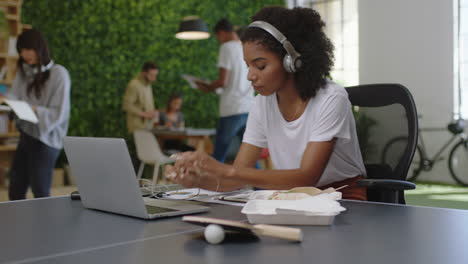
[(291, 61), (44, 68)]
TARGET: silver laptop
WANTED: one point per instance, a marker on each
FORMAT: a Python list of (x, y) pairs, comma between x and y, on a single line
[(106, 180)]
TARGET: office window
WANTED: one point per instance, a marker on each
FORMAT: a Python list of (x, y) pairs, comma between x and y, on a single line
[(461, 57), (341, 19)]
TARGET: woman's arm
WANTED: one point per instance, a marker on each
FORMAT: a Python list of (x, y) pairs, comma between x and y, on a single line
[(313, 163), (247, 156), (191, 168), (186, 173), (57, 109)]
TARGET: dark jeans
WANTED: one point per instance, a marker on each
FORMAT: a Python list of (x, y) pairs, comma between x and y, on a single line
[(33, 165), (227, 128)]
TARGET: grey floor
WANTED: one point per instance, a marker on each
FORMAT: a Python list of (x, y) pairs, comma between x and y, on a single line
[(438, 195)]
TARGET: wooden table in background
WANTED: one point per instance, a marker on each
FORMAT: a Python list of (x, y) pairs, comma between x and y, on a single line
[(199, 138)]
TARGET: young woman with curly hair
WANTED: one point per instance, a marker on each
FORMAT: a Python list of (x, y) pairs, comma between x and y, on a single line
[(303, 118)]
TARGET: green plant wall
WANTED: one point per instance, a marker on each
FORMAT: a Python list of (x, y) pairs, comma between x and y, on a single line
[(103, 44)]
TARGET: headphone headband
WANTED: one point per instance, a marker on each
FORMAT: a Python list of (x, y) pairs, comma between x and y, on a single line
[(44, 68), (33, 69), (294, 62)]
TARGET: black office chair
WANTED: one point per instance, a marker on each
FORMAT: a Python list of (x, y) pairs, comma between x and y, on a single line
[(383, 112)]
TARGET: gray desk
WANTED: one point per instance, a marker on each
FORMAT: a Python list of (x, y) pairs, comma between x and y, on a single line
[(58, 230)]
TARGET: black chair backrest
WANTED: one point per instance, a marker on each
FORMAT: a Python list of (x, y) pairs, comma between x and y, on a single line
[(387, 127)]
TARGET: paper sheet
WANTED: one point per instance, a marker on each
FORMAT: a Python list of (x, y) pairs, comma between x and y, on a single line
[(190, 194), (203, 196), (238, 197), (192, 80), (23, 110), (216, 200)]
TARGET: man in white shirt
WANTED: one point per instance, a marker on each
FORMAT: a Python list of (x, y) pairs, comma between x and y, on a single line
[(237, 95)]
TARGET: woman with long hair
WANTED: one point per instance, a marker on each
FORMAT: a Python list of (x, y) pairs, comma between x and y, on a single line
[(45, 86), (173, 118)]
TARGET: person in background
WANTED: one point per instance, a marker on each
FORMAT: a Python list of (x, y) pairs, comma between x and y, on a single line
[(237, 95), (138, 100), (303, 118), (173, 118), (45, 86)]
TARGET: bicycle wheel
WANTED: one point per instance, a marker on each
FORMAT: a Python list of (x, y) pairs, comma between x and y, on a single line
[(393, 151), (458, 162)]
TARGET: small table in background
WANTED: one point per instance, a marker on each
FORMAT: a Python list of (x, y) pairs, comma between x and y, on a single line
[(197, 137)]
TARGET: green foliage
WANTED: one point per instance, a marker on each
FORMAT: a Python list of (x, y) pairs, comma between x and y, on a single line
[(104, 43)]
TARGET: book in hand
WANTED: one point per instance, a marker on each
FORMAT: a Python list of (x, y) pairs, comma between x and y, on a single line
[(192, 80), (22, 110)]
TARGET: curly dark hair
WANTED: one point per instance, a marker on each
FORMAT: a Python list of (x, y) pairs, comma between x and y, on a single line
[(304, 28)]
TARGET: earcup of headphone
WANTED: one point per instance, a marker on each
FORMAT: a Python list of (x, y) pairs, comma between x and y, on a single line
[(288, 64), (297, 63)]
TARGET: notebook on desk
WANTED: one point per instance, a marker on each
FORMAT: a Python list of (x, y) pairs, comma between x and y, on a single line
[(106, 180)]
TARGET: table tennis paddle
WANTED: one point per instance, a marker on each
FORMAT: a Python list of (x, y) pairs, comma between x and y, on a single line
[(288, 233)]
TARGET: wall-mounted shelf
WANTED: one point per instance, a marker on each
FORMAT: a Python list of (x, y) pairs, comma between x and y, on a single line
[(8, 60)]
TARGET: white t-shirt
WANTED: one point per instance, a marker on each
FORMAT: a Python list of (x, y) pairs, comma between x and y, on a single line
[(328, 115), (237, 96)]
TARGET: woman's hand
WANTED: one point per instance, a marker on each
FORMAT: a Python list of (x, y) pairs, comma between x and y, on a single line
[(189, 180), (191, 167), (168, 124), (34, 108)]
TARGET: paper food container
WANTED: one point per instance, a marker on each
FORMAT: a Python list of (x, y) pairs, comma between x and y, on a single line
[(266, 194), (319, 209), (267, 212)]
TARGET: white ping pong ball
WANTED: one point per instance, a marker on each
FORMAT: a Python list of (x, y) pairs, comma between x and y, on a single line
[(214, 234)]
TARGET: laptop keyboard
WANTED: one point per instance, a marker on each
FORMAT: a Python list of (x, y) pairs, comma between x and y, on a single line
[(158, 210)]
